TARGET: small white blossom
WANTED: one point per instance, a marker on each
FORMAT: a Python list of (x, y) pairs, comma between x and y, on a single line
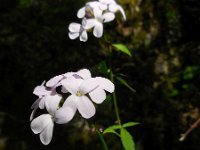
[(44, 124), (79, 88), (113, 7)]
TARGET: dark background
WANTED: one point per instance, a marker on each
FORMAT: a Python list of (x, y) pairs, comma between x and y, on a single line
[(164, 39)]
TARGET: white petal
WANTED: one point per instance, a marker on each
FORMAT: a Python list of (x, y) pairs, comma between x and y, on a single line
[(54, 81), (122, 12), (64, 115), (73, 36), (70, 102), (40, 91), (84, 73), (85, 107), (98, 95), (33, 114), (89, 23), (81, 12), (42, 102), (71, 84), (98, 30), (36, 104), (52, 103), (105, 84), (74, 27), (39, 123), (47, 133), (83, 36), (88, 85), (113, 7), (107, 17)]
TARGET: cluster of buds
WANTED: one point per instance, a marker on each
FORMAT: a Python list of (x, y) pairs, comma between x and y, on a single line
[(93, 15), (62, 96)]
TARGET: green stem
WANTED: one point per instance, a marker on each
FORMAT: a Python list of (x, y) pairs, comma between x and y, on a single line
[(105, 147), (115, 100)]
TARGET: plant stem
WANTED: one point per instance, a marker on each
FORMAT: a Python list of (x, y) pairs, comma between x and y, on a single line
[(105, 147), (115, 100)]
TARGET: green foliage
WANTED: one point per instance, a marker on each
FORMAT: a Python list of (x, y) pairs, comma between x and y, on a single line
[(130, 124), (24, 3), (189, 72), (124, 82), (122, 48), (127, 139)]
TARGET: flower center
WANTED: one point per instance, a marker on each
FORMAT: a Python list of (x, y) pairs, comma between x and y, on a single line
[(78, 93)]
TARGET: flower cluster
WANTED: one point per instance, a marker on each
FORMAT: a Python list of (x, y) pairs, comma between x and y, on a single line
[(93, 15), (82, 90)]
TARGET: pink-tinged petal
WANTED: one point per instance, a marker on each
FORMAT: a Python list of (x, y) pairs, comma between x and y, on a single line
[(88, 85), (89, 23), (107, 17), (83, 36), (85, 107), (122, 12), (47, 133), (98, 30), (74, 27), (64, 115), (41, 91), (105, 84), (68, 74), (81, 12), (71, 84), (98, 95), (52, 103), (39, 123), (73, 36), (64, 90), (54, 81), (84, 73)]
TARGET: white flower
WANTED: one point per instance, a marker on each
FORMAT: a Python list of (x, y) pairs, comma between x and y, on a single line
[(44, 124), (42, 92), (79, 30), (113, 7), (89, 9), (79, 88), (98, 20)]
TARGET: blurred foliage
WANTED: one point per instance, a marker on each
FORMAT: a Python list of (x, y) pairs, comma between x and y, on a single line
[(164, 69)]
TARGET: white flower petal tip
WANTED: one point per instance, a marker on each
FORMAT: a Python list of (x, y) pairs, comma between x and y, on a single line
[(47, 133), (39, 123)]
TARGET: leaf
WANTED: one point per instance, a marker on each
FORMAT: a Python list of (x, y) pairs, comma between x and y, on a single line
[(102, 67), (110, 131), (122, 48), (127, 140), (125, 83), (24, 3), (130, 124)]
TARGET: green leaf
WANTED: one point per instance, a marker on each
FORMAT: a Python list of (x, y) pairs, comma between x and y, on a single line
[(130, 124), (110, 131), (127, 140), (122, 48), (24, 3), (102, 67), (125, 83)]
